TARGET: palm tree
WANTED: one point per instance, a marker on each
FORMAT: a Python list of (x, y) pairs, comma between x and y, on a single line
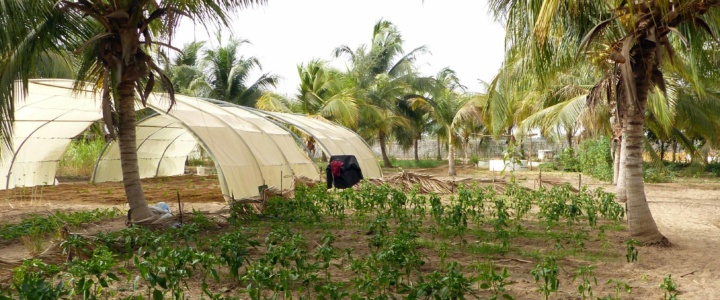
[(380, 76), (325, 93), (113, 40), (184, 68), (632, 44), (450, 108), (419, 119), (229, 74)]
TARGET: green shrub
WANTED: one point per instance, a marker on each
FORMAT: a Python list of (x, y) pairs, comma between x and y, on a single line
[(568, 161), (713, 168), (595, 160), (656, 175), (592, 158)]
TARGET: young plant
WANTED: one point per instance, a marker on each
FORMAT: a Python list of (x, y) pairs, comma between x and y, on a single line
[(30, 281), (91, 276), (618, 286), (546, 272), (632, 253), (587, 277), (490, 280), (233, 250), (669, 288), (325, 253)]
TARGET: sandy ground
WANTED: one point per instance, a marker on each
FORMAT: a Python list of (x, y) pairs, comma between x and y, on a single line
[(685, 211)]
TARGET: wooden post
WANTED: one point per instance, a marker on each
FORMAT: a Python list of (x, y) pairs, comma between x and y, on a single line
[(540, 178), (530, 153), (579, 182), (180, 208)]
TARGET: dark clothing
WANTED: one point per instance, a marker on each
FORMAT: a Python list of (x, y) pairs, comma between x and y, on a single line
[(349, 170)]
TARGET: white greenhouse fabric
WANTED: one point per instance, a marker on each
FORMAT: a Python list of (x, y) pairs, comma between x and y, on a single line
[(163, 146), (248, 147), (46, 120), (245, 152), (335, 140)]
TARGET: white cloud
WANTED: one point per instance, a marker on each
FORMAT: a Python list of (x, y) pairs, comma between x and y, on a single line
[(460, 34)]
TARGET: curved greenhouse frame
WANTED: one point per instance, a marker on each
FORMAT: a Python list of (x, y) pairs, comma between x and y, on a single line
[(250, 148)]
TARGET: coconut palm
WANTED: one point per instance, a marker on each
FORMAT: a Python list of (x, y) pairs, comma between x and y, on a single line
[(184, 68), (631, 43), (324, 92), (450, 107), (380, 75), (228, 75), (113, 40)]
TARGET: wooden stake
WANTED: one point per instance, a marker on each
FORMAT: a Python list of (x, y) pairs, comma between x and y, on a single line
[(180, 208), (579, 182), (540, 178)]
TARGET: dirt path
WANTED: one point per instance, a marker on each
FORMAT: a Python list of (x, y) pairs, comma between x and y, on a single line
[(688, 215)]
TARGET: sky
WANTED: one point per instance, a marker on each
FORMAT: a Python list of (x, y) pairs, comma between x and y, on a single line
[(459, 34)]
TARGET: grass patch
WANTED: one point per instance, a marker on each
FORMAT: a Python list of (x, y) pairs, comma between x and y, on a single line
[(80, 157), (38, 226)]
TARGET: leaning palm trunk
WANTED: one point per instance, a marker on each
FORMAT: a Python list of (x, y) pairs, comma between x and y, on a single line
[(451, 154), (640, 219), (383, 151), (139, 209)]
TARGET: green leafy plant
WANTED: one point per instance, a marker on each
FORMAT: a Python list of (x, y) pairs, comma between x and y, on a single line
[(493, 281), (91, 276), (587, 278), (669, 288), (546, 272), (34, 279), (618, 286), (631, 250), (233, 250)]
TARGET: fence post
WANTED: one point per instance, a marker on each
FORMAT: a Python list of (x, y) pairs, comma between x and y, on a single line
[(540, 178), (579, 183)]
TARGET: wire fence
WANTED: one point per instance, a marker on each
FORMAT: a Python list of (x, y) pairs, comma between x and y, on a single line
[(482, 149)]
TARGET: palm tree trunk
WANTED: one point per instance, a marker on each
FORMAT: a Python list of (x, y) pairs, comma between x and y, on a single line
[(616, 160), (674, 160), (386, 160), (662, 151), (451, 154), (640, 219), (417, 158), (439, 157), (621, 186), (467, 150), (139, 209)]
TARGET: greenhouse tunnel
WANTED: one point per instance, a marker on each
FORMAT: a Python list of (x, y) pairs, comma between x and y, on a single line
[(249, 147)]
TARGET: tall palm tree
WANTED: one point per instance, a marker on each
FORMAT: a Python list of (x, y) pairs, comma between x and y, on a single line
[(113, 40), (228, 75), (184, 68), (380, 75), (450, 107), (636, 40), (325, 93)]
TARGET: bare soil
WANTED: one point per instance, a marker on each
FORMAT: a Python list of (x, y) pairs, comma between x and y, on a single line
[(686, 212)]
